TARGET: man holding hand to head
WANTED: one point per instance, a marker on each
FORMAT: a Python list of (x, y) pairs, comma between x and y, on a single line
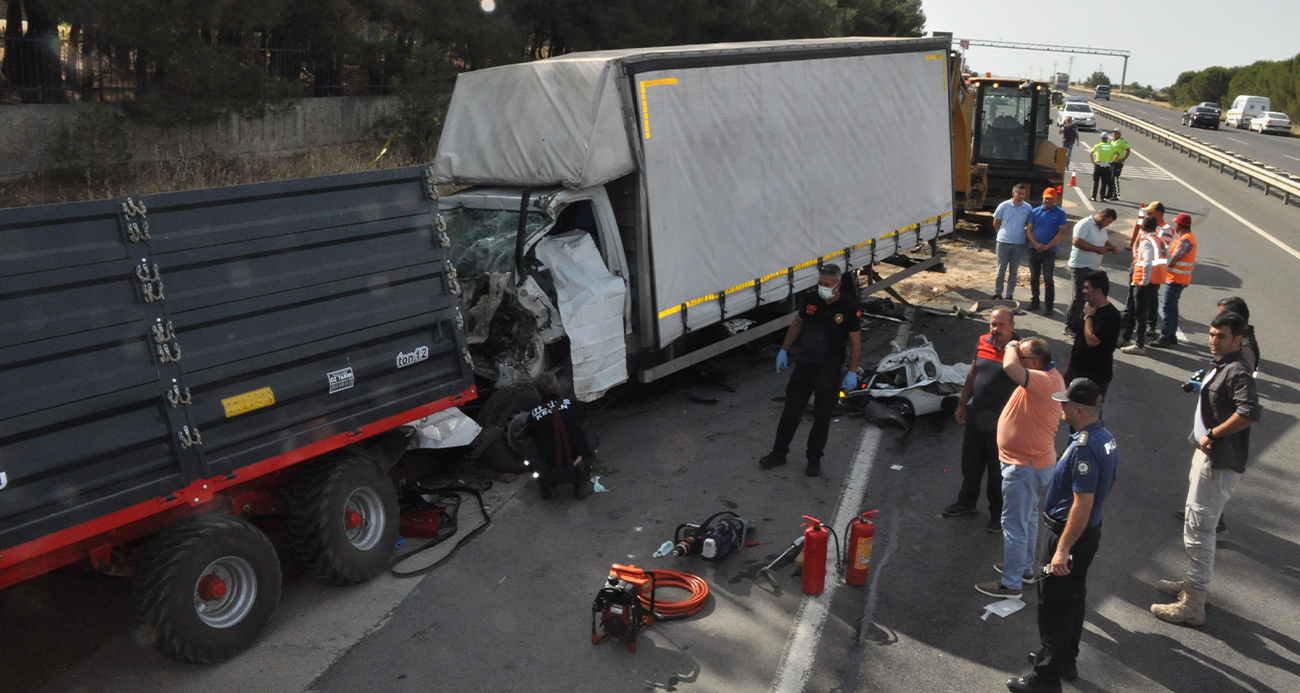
[(1026, 431)]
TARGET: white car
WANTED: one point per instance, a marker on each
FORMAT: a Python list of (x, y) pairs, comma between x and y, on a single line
[(1271, 121), (1082, 113)]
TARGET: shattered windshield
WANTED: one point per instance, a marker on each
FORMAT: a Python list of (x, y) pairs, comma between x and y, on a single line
[(483, 240)]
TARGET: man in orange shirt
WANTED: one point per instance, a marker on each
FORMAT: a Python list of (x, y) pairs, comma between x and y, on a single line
[(1026, 446)]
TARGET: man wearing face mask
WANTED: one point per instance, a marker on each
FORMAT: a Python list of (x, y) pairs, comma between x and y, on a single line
[(823, 323)]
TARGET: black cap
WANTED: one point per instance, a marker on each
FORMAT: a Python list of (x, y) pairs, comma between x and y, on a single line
[(1081, 391)]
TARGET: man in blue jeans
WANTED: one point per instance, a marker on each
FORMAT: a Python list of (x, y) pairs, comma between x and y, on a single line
[(1046, 228), (1009, 220), (1026, 445), (1182, 259)]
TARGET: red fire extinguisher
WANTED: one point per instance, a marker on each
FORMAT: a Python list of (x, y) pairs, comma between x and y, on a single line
[(814, 555), (857, 562)]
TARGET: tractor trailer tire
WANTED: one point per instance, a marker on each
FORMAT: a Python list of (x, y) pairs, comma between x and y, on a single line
[(205, 586), (508, 410), (342, 520)]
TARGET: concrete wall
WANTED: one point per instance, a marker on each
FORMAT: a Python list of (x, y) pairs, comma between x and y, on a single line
[(37, 137)]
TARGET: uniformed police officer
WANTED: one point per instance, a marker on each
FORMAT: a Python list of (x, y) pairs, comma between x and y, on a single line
[(1080, 484), (823, 323)]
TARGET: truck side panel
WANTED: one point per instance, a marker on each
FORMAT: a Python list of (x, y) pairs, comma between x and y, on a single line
[(276, 315)]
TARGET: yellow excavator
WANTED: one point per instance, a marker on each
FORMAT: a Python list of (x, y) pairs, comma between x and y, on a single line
[(1001, 136)]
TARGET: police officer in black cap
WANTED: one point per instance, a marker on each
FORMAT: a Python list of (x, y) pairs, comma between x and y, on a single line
[(822, 324), (1080, 484)]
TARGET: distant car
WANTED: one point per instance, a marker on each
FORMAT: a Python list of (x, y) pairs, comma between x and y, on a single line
[(1201, 117), (1082, 113), (1271, 121), (1103, 92)]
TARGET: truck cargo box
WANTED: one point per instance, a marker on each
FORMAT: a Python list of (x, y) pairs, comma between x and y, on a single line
[(754, 162), (157, 341)]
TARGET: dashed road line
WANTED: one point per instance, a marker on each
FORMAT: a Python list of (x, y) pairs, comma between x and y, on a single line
[(1233, 139)]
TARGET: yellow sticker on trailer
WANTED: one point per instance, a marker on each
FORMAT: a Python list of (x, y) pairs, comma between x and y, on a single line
[(249, 401)]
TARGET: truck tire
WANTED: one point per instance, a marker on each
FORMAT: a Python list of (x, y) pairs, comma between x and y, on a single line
[(342, 520), (205, 587), (508, 409)]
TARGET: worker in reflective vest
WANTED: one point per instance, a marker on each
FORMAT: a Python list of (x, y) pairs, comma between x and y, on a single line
[(1150, 270), (1182, 259)]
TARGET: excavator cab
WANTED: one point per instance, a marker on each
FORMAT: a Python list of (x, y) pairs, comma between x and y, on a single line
[(1002, 130)]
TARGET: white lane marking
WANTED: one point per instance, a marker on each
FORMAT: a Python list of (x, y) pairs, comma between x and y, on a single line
[(801, 647), (1238, 141), (1086, 202), (1182, 336), (1291, 157), (1264, 234)]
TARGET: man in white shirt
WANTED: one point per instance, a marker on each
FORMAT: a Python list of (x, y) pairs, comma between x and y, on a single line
[(1091, 242)]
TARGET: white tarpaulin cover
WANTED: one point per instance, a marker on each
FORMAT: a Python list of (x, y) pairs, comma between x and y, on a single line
[(778, 164), (591, 307)]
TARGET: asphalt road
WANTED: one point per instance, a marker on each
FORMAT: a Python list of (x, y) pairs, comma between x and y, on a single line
[(1282, 151), (511, 612)]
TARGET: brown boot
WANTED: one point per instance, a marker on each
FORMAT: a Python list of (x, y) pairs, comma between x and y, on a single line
[(1189, 609), (1173, 589)]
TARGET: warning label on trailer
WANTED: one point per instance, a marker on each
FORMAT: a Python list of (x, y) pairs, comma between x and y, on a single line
[(341, 379), (249, 401)]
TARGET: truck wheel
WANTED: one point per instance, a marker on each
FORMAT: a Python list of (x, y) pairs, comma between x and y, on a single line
[(508, 409), (341, 524), (206, 586)]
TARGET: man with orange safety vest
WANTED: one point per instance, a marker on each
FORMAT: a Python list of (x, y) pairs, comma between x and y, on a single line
[(1182, 259), (1153, 209), (1150, 271)]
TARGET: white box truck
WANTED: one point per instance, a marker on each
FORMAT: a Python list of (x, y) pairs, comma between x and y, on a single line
[(633, 212), (1244, 108)]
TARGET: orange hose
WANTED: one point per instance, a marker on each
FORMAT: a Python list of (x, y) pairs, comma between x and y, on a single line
[(690, 606)]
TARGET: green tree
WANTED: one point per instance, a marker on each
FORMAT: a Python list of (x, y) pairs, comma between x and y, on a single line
[(1096, 79)]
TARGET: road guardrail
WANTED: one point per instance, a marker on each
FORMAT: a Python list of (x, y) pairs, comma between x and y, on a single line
[(1274, 182)]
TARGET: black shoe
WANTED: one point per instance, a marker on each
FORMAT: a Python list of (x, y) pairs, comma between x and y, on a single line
[(957, 510), (1032, 683), (772, 459), (1034, 304), (994, 526), (814, 468), (1071, 670), (997, 297), (582, 490), (549, 492), (1047, 310)]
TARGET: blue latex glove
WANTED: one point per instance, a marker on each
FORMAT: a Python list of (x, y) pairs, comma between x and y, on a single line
[(782, 361), (850, 382)]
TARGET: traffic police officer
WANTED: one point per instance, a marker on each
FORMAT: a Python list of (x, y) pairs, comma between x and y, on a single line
[(1080, 484), (822, 324)]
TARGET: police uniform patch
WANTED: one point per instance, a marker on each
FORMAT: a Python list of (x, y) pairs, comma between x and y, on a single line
[(1082, 468), (839, 318), (1083, 438), (811, 309)]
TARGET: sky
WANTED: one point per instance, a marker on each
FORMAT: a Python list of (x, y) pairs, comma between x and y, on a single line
[(1165, 37)]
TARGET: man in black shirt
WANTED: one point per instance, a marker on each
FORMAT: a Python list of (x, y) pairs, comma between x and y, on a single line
[(987, 389), (1093, 355), (823, 323), (555, 426)]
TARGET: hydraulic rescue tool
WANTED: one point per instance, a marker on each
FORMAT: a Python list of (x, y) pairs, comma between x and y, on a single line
[(858, 537), (627, 602), (714, 538), (781, 561)]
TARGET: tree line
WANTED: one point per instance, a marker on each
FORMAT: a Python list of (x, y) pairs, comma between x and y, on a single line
[(188, 60), (1279, 80)]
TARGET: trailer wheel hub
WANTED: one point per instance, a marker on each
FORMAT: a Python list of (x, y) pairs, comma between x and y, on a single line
[(211, 588), (351, 520)]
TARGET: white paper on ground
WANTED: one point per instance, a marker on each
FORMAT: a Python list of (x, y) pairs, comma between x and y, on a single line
[(591, 307), (1004, 608)]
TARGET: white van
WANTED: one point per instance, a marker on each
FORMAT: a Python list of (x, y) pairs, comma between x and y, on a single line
[(1244, 108)]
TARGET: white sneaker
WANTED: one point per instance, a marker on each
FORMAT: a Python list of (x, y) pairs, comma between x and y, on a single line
[(1134, 349), (1123, 343)]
